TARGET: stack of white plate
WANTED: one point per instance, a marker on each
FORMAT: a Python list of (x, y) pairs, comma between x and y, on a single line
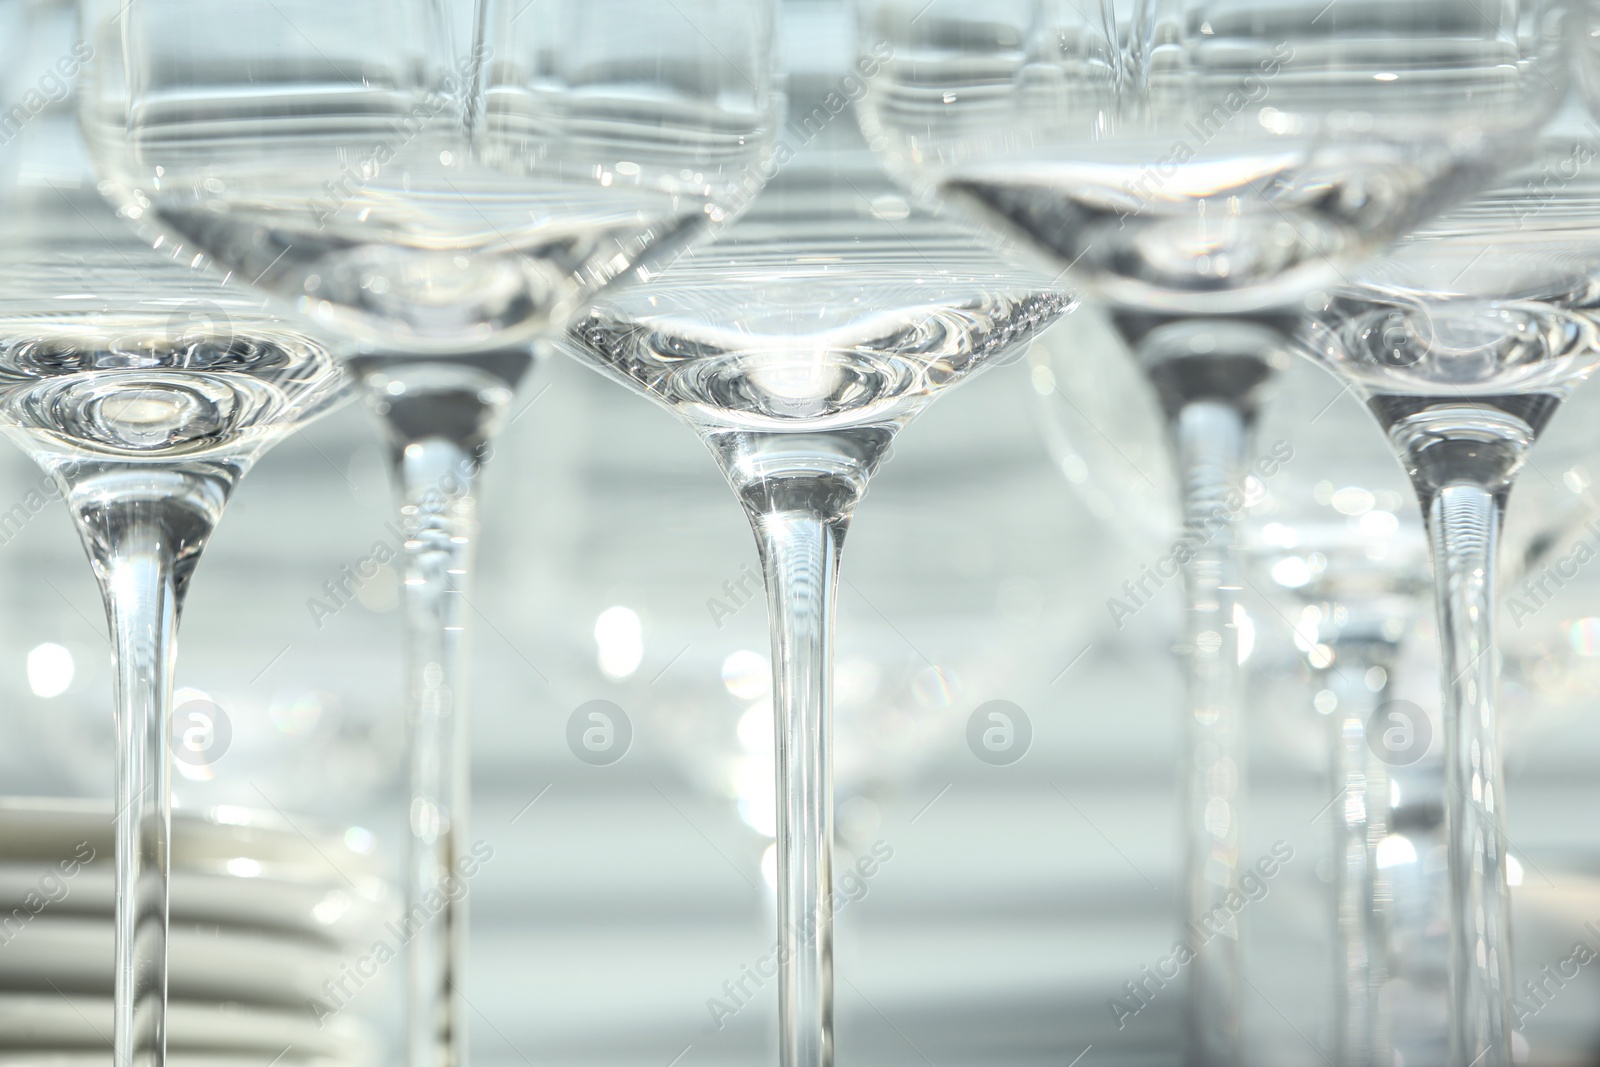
[(270, 921)]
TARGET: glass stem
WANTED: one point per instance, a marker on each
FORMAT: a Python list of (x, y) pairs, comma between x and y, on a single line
[(799, 491), (1211, 438), (1209, 375), (144, 531), (441, 417), (1414, 896), (436, 479), (1361, 818), (1464, 523), (142, 609), (800, 558)]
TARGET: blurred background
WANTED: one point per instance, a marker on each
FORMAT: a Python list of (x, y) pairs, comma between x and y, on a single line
[(997, 912)]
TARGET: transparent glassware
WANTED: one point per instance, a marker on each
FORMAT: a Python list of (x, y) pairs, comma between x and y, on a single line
[(1464, 341), (1358, 597), (147, 390), (1200, 166), (445, 182), (1341, 558), (797, 346), (1307, 139), (1334, 557)]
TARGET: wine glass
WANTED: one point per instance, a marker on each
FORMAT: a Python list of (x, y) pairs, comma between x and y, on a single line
[(1201, 167), (797, 346), (147, 390), (1464, 341), (1335, 560), (446, 182), (1354, 593), (1336, 554)]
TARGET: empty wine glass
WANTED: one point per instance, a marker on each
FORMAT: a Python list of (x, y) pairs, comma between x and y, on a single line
[(446, 181), (1464, 341), (147, 390), (797, 346), (1335, 557), (1337, 554), (1202, 165)]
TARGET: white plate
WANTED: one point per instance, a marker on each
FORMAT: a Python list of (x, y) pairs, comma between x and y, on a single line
[(336, 913), (82, 1025), (208, 963), (49, 829), (230, 866), (51, 1058)]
